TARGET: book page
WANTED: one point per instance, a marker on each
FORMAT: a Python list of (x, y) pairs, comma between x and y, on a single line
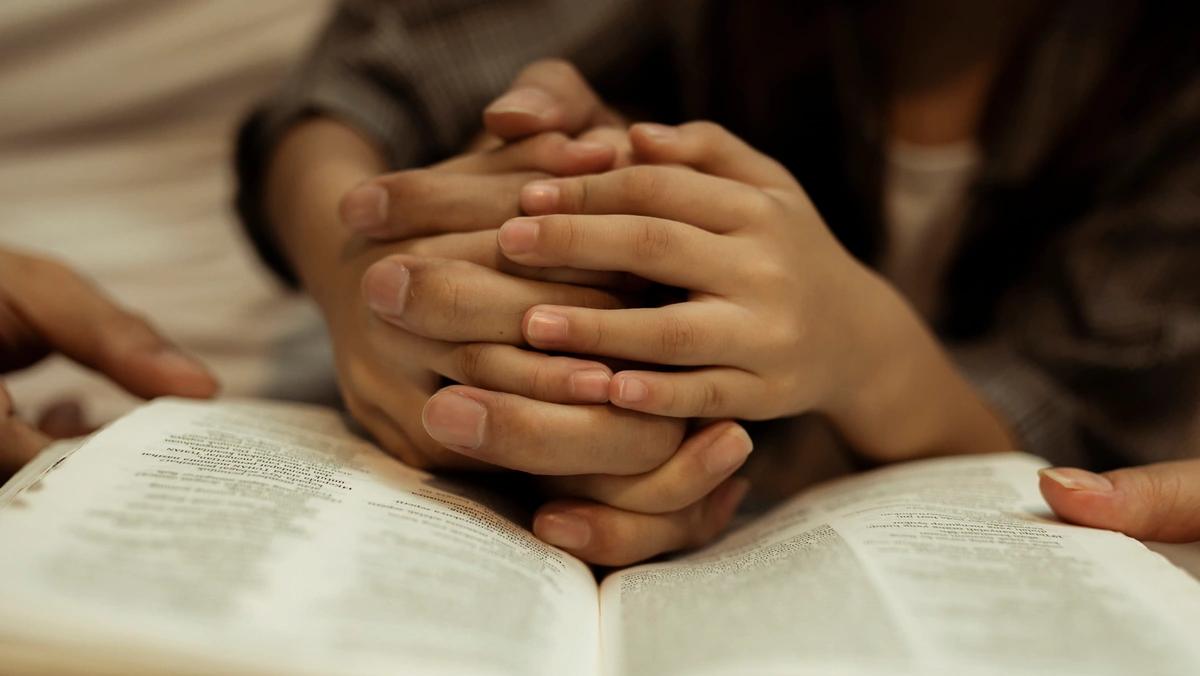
[(949, 566), (253, 537)]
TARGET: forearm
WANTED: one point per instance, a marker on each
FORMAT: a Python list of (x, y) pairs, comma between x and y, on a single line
[(911, 401), (311, 169)]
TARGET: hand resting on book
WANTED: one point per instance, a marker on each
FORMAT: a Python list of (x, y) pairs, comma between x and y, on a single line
[(1159, 502), (46, 307)]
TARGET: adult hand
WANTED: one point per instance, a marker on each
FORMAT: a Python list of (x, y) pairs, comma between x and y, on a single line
[(548, 95), (45, 307), (453, 304), (779, 318), (1158, 502)]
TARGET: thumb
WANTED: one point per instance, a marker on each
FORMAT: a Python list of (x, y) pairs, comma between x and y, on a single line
[(548, 95), (1156, 502), (73, 317)]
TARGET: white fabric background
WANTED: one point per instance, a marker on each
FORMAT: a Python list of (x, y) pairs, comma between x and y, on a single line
[(116, 128)]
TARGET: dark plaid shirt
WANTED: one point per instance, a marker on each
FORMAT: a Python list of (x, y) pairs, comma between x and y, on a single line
[(1073, 303)]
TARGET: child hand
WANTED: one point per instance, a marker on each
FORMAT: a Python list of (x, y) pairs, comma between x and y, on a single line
[(779, 318)]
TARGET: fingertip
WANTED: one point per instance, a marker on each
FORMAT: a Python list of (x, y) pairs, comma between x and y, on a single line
[(628, 390), (654, 133), (586, 157), (1079, 499), (650, 141), (544, 326), (518, 236), (540, 198), (563, 528), (185, 376), (522, 112), (590, 386), (385, 287)]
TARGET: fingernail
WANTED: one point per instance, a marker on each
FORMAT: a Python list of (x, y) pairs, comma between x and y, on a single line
[(386, 287), (590, 385), (631, 390), (728, 451), (586, 147), (455, 420), (563, 530), (526, 100), (1077, 479), (658, 132), (519, 235), (539, 197), (546, 327), (365, 207)]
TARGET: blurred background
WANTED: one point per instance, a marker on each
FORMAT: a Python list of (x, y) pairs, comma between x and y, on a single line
[(117, 122)]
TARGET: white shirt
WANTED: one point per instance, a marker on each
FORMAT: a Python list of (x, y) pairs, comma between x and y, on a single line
[(926, 193)]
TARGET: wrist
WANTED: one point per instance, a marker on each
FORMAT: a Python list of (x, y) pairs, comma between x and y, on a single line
[(314, 165), (902, 397)]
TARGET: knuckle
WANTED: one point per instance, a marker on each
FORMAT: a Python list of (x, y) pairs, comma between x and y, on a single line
[(471, 362), (763, 272), (577, 194), (641, 185), (564, 232), (677, 337), (1163, 494), (651, 240), (759, 207), (539, 381), (710, 399)]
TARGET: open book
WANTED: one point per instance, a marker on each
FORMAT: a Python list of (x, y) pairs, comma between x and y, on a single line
[(265, 538)]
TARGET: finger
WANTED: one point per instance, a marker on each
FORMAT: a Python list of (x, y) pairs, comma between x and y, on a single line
[(421, 202), (497, 367), (716, 204), (1157, 502), (704, 460), (711, 149), (613, 537), (548, 95), (415, 449), (77, 319), (549, 439), (615, 136), (462, 302), (684, 334), (481, 248), (504, 368), (715, 392), (477, 191), (19, 442), (668, 252), (550, 153)]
